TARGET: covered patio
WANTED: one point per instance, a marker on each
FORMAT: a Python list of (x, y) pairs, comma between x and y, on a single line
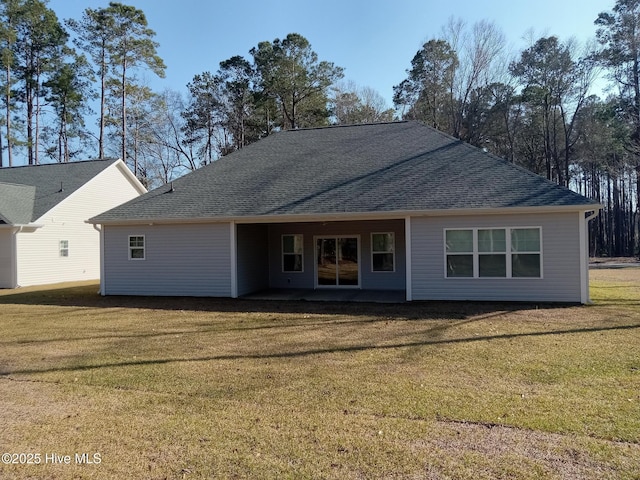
[(359, 260)]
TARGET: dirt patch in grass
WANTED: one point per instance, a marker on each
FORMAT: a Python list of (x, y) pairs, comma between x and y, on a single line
[(498, 452)]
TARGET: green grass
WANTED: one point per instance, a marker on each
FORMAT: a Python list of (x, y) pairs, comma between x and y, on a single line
[(205, 388)]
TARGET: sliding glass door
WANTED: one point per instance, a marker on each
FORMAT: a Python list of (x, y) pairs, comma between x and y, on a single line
[(337, 262)]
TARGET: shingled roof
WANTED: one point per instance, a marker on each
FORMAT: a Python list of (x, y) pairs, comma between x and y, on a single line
[(16, 203), (386, 167), (28, 192)]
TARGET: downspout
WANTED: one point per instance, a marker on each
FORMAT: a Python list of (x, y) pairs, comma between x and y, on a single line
[(593, 215), (15, 230), (99, 229), (585, 298)]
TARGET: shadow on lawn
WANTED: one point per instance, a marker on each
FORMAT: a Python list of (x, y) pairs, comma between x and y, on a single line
[(87, 296), (273, 324), (318, 351)]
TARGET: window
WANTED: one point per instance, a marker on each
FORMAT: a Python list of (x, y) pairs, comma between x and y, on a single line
[(292, 253), (493, 253), (136, 247), (383, 247), (459, 248), (525, 252), (64, 248)]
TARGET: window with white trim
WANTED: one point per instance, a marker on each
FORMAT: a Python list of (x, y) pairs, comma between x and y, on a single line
[(493, 252), (459, 253), (383, 246), (136, 247), (525, 252), (64, 248), (292, 253)]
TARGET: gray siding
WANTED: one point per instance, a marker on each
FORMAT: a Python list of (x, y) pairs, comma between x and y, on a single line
[(7, 255), (252, 258), (187, 260), (560, 260), (368, 280)]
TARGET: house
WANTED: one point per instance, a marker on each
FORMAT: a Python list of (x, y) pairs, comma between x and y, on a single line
[(390, 206), (44, 236)]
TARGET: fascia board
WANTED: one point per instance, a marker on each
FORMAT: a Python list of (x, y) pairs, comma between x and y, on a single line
[(325, 217)]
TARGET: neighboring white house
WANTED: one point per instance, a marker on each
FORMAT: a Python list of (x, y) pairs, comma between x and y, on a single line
[(44, 236), (394, 206)]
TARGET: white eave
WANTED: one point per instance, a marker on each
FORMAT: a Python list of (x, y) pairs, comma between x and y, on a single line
[(353, 216), (120, 165), (28, 227)]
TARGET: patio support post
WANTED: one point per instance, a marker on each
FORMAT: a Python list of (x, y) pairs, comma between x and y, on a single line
[(584, 219), (233, 246), (407, 241)]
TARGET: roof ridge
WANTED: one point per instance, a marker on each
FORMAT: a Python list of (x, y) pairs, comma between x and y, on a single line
[(343, 125), (474, 149), (519, 167), (110, 159)]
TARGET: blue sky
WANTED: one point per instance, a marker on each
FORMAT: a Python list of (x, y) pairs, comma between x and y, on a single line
[(373, 40)]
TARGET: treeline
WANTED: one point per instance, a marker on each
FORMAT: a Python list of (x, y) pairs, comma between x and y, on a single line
[(50, 80), (52, 71), (535, 108)]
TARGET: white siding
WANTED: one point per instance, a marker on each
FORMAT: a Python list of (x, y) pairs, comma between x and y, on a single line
[(560, 253), (38, 255), (180, 260), (6, 259)]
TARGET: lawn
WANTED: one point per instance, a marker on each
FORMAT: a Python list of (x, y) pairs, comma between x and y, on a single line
[(202, 388)]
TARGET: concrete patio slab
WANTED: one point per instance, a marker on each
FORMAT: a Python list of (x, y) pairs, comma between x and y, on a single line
[(330, 295)]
